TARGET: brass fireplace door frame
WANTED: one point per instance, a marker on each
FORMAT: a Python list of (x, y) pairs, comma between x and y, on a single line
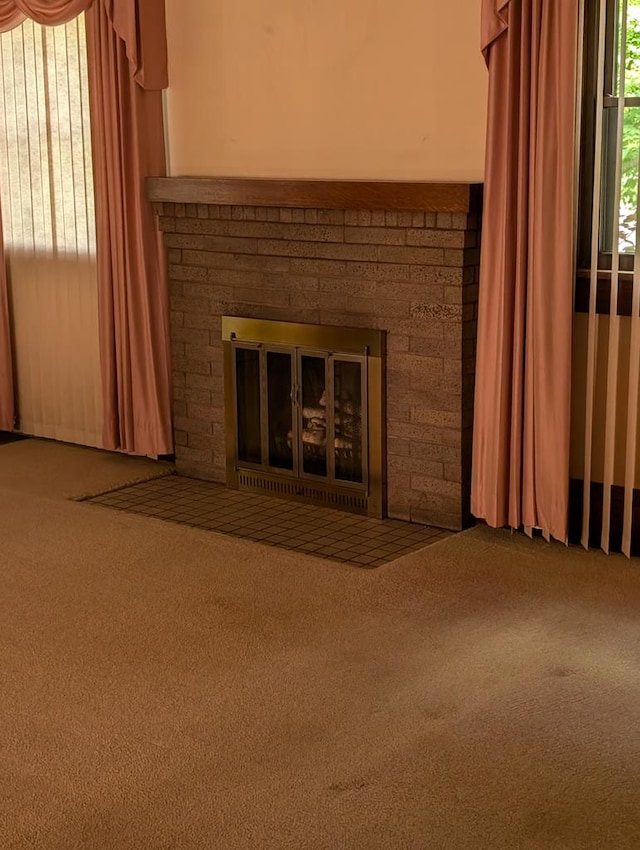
[(363, 345)]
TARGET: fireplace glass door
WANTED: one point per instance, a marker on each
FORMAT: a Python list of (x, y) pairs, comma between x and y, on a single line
[(313, 412), (280, 443), (301, 412), (349, 444)]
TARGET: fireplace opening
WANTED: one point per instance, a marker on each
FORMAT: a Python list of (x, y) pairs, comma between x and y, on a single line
[(304, 412)]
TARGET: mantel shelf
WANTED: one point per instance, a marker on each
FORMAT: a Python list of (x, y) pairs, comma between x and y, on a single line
[(318, 194)]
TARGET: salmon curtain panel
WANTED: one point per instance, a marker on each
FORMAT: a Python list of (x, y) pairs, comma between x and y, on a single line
[(520, 473), (127, 72), (126, 45)]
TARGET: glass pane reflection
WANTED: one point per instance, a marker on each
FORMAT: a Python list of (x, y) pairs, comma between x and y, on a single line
[(314, 415), (248, 404), (347, 382), (280, 411)]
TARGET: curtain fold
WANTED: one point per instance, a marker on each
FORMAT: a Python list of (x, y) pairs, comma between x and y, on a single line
[(142, 27), (520, 470), (10, 15), (128, 145), (46, 12), (7, 397), (493, 22)]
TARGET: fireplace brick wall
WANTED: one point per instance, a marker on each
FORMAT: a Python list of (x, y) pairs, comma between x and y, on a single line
[(412, 274)]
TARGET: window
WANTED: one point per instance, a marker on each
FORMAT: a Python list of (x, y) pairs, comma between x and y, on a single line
[(46, 194), (611, 84), (46, 182)]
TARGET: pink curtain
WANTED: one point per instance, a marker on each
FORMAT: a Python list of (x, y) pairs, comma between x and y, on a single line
[(127, 70), (523, 371), (46, 12), (10, 15), (7, 399)]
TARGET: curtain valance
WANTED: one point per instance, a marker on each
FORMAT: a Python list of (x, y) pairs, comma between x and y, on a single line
[(46, 12), (139, 23)]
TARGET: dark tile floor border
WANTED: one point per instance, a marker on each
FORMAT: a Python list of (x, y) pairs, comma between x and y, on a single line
[(323, 532)]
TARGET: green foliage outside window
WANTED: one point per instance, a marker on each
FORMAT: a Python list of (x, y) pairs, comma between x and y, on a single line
[(631, 135)]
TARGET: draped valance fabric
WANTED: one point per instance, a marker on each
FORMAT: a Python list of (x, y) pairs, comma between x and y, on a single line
[(10, 15), (45, 12), (140, 25)]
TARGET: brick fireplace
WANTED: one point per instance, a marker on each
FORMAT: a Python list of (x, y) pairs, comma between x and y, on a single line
[(401, 258)]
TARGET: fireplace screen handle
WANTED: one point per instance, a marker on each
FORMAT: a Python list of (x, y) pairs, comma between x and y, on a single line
[(295, 395)]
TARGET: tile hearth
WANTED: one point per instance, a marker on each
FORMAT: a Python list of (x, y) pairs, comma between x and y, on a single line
[(323, 532)]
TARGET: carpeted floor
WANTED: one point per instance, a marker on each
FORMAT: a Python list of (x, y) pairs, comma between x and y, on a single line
[(165, 687), (56, 470)]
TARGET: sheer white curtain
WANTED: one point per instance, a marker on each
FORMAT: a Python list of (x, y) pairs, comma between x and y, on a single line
[(46, 192)]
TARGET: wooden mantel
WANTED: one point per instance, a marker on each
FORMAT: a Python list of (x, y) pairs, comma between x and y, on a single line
[(318, 194)]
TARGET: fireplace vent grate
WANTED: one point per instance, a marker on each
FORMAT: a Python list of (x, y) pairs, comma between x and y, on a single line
[(303, 491)]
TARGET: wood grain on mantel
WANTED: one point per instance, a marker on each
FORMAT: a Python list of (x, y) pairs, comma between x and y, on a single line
[(318, 194)]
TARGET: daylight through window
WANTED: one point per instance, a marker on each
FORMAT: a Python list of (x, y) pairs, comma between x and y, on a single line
[(46, 182)]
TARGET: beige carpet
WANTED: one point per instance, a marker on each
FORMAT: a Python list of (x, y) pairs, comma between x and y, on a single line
[(162, 687), (57, 470)]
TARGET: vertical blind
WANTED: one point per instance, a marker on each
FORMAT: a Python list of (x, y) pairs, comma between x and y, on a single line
[(610, 338), (46, 191)]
